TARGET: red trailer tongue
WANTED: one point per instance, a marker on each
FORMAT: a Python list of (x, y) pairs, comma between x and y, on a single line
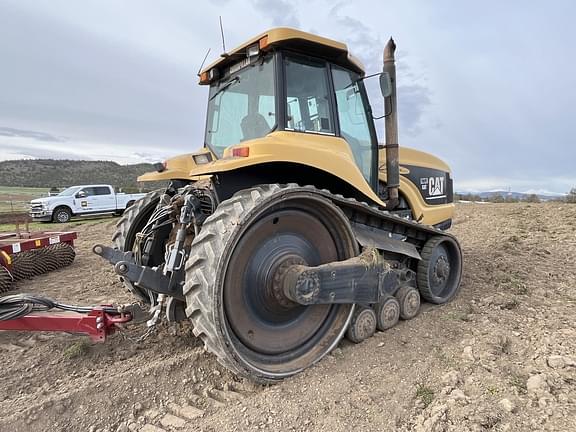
[(29, 312)]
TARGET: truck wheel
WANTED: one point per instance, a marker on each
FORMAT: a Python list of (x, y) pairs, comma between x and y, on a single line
[(61, 215)]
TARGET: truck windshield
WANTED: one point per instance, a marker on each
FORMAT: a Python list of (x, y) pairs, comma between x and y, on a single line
[(70, 191), (241, 106)]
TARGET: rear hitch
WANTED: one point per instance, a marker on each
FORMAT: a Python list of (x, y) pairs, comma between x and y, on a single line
[(151, 278)]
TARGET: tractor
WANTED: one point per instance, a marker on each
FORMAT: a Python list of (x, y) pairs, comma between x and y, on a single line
[(293, 226)]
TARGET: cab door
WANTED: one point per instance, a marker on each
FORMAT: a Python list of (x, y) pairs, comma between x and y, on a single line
[(84, 200), (104, 199)]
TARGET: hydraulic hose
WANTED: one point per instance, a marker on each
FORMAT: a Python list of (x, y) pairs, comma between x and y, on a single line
[(19, 305)]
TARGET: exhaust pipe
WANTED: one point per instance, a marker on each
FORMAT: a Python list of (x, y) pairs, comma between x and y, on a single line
[(391, 126)]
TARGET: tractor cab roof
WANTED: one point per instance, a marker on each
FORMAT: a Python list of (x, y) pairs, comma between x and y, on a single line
[(291, 39)]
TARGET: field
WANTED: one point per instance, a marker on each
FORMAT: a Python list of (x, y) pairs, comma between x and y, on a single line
[(17, 199), (501, 357)]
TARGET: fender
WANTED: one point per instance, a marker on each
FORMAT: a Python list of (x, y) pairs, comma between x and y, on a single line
[(326, 153)]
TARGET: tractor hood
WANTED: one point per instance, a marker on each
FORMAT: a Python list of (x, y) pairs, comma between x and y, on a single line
[(412, 157), (179, 167)]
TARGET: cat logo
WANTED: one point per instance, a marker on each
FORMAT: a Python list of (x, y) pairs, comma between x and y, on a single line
[(84, 203), (434, 186)]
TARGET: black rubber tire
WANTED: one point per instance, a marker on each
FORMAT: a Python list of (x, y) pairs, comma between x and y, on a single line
[(428, 285), (409, 299), (131, 222), (6, 280), (387, 313), (362, 326), (206, 273), (61, 214)]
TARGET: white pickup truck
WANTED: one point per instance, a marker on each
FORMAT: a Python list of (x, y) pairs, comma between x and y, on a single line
[(79, 201)]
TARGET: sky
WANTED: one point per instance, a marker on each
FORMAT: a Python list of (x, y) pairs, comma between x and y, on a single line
[(489, 87)]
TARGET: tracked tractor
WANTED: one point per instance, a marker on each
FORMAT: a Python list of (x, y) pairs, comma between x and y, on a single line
[(293, 226)]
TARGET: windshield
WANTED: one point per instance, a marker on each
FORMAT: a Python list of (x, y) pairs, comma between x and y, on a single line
[(241, 106), (69, 191)]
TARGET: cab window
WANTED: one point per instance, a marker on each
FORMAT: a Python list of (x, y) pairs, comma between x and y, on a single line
[(307, 96), (241, 106), (102, 190), (89, 191), (353, 119)]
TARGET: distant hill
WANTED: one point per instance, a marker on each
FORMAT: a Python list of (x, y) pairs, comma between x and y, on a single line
[(64, 173), (517, 196)]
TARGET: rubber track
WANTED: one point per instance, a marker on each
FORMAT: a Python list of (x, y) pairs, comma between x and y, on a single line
[(209, 245), (120, 235)]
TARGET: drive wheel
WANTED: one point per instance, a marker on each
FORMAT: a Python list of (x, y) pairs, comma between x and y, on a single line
[(131, 223), (234, 274), (440, 270)]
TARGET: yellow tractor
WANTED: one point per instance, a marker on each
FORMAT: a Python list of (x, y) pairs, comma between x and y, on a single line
[(293, 226)]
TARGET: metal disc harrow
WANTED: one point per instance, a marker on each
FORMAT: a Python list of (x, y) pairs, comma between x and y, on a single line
[(33, 255)]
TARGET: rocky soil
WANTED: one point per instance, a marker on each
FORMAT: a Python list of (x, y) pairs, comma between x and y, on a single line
[(501, 357)]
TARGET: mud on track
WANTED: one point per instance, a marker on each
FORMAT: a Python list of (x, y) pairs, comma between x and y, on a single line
[(501, 357)]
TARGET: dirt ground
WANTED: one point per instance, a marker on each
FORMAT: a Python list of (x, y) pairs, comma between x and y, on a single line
[(501, 357)]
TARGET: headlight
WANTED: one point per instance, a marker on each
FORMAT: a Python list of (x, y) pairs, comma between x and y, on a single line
[(202, 158)]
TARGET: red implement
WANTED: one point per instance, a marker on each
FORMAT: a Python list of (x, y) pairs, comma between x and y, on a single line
[(97, 324), (13, 243)]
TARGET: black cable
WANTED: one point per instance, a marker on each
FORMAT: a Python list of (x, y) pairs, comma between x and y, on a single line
[(19, 305)]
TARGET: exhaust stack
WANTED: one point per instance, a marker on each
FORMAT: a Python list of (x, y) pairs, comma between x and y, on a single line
[(391, 126)]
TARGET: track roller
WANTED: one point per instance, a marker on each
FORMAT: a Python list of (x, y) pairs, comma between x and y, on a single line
[(362, 326), (387, 313), (409, 300)]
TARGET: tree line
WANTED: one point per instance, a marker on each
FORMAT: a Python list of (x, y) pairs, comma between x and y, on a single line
[(570, 197)]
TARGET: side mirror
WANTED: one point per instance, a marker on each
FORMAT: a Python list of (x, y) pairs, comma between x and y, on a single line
[(385, 84), (81, 194)]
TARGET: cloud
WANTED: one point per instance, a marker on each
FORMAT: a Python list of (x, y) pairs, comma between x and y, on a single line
[(413, 96), (40, 136), (413, 101), (26, 148), (281, 12), (74, 83)]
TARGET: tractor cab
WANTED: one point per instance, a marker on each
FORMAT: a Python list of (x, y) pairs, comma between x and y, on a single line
[(287, 80)]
